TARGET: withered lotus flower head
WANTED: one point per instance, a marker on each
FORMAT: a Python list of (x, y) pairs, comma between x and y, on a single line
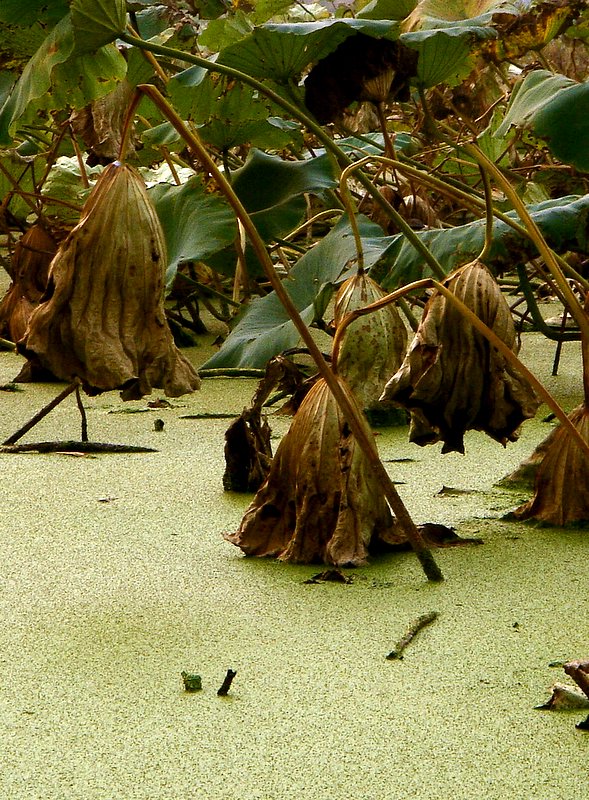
[(320, 503), (102, 317), (452, 379), (373, 346), (561, 490)]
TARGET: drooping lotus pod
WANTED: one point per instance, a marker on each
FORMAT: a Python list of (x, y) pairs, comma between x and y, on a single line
[(561, 490), (102, 317), (373, 346), (320, 502), (452, 379)]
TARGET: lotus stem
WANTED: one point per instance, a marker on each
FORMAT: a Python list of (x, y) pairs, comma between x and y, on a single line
[(42, 413), (295, 111), (128, 125), (351, 208), (338, 389), (485, 252)]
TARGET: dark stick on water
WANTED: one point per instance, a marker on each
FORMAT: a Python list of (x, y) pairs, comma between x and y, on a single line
[(412, 630), (223, 691)]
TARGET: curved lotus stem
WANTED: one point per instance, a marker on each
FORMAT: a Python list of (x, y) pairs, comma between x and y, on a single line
[(342, 395)]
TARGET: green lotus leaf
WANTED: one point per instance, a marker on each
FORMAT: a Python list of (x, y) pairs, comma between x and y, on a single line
[(281, 52), (196, 224), (266, 329), (556, 109), (562, 221), (97, 22)]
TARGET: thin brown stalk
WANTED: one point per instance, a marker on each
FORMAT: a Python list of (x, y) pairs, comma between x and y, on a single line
[(338, 388)]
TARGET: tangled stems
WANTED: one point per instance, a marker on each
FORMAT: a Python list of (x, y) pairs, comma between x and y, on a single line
[(575, 308), (296, 113), (338, 388)]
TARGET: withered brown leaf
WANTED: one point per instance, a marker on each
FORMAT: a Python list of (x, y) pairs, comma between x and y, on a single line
[(320, 502), (452, 379), (102, 317), (561, 489)]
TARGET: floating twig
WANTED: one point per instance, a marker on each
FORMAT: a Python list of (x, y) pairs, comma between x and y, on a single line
[(210, 415), (414, 628), (224, 689), (74, 447)]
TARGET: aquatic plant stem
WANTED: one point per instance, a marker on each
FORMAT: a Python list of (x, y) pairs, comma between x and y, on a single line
[(297, 113), (337, 386), (42, 413)]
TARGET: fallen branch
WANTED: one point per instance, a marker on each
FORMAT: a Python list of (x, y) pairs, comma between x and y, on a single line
[(74, 447), (410, 633), (224, 689)]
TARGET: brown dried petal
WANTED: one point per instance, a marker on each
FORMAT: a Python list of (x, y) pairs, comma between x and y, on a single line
[(102, 318), (561, 492), (373, 346), (320, 503), (100, 125), (452, 380)]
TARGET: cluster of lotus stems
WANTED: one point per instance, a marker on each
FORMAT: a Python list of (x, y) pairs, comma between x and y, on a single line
[(92, 311)]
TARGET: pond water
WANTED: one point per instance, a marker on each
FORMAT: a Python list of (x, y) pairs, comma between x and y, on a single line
[(115, 578)]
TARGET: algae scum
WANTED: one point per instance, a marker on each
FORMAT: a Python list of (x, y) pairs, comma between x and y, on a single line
[(116, 579)]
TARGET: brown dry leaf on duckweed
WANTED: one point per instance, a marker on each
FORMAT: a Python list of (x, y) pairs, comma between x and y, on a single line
[(452, 379), (102, 318), (561, 489), (320, 503), (248, 452), (373, 346)]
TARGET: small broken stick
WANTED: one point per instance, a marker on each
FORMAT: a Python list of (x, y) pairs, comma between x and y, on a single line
[(333, 575), (224, 689), (74, 447), (410, 633)]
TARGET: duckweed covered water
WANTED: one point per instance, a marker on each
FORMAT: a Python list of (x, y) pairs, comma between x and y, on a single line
[(115, 579)]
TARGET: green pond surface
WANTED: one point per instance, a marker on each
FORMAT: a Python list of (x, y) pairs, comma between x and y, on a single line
[(115, 578)]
